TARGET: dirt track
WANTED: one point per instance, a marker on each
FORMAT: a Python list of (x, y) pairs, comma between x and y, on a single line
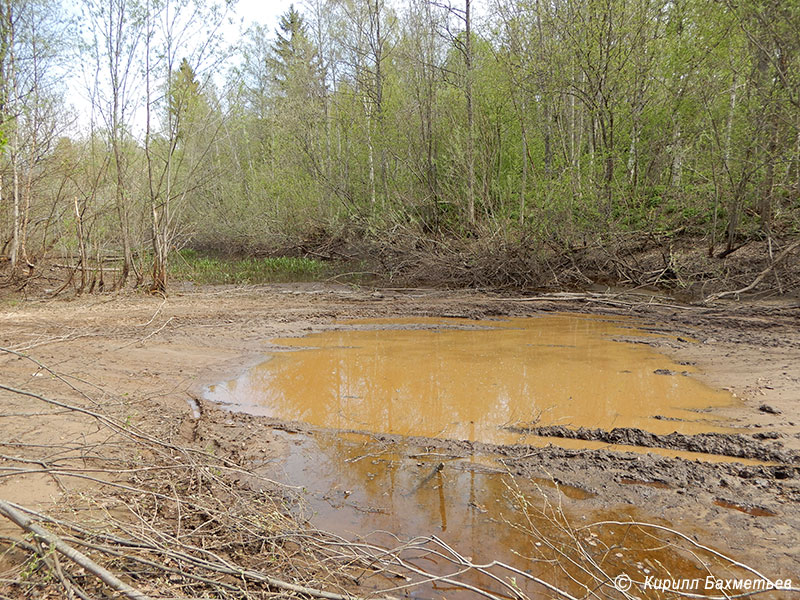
[(146, 356)]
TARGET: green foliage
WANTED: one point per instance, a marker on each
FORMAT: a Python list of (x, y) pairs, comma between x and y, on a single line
[(191, 266), (188, 108), (587, 118), (294, 61)]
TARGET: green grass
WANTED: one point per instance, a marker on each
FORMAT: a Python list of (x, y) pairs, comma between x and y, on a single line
[(189, 266)]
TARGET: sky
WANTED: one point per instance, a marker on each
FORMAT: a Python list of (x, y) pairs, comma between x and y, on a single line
[(246, 13), (263, 11)]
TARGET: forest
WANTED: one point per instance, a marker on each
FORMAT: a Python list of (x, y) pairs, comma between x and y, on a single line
[(503, 142)]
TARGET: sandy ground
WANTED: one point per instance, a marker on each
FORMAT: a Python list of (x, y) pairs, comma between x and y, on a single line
[(146, 357)]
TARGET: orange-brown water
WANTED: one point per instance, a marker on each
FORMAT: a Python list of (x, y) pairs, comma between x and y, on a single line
[(385, 494), (474, 379)]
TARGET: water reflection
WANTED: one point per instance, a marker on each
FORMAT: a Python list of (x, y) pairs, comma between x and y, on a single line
[(469, 383), (370, 491), (471, 380)]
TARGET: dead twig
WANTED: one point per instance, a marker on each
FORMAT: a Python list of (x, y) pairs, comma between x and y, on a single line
[(24, 522), (786, 251)]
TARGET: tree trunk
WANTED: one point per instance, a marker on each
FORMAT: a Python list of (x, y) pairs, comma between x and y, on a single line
[(81, 244), (765, 200), (12, 76), (676, 168), (524, 184), (470, 116), (370, 154)]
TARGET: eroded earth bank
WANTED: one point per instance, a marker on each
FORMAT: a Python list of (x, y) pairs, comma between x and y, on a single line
[(162, 460)]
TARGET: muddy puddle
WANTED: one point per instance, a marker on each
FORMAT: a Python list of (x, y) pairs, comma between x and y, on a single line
[(481, 381), (474, 380), (753, 511), (385, 495)]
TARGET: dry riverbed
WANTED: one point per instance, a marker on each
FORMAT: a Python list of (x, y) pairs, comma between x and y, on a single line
[(147, 360)]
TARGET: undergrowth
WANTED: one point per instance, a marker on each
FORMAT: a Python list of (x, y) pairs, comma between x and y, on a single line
[(191, 266)]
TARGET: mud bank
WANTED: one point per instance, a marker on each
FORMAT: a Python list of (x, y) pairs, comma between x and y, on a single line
[(589, 469), (749, 511), (147, 357), (722, 444)]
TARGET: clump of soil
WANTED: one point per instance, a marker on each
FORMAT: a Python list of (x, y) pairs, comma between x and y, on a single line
[(722, 444)]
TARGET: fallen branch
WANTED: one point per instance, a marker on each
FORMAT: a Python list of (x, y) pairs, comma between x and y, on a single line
[(757, 280), (19, 518), (59, 266), (133, 433), (77, 557), (611, 299)]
